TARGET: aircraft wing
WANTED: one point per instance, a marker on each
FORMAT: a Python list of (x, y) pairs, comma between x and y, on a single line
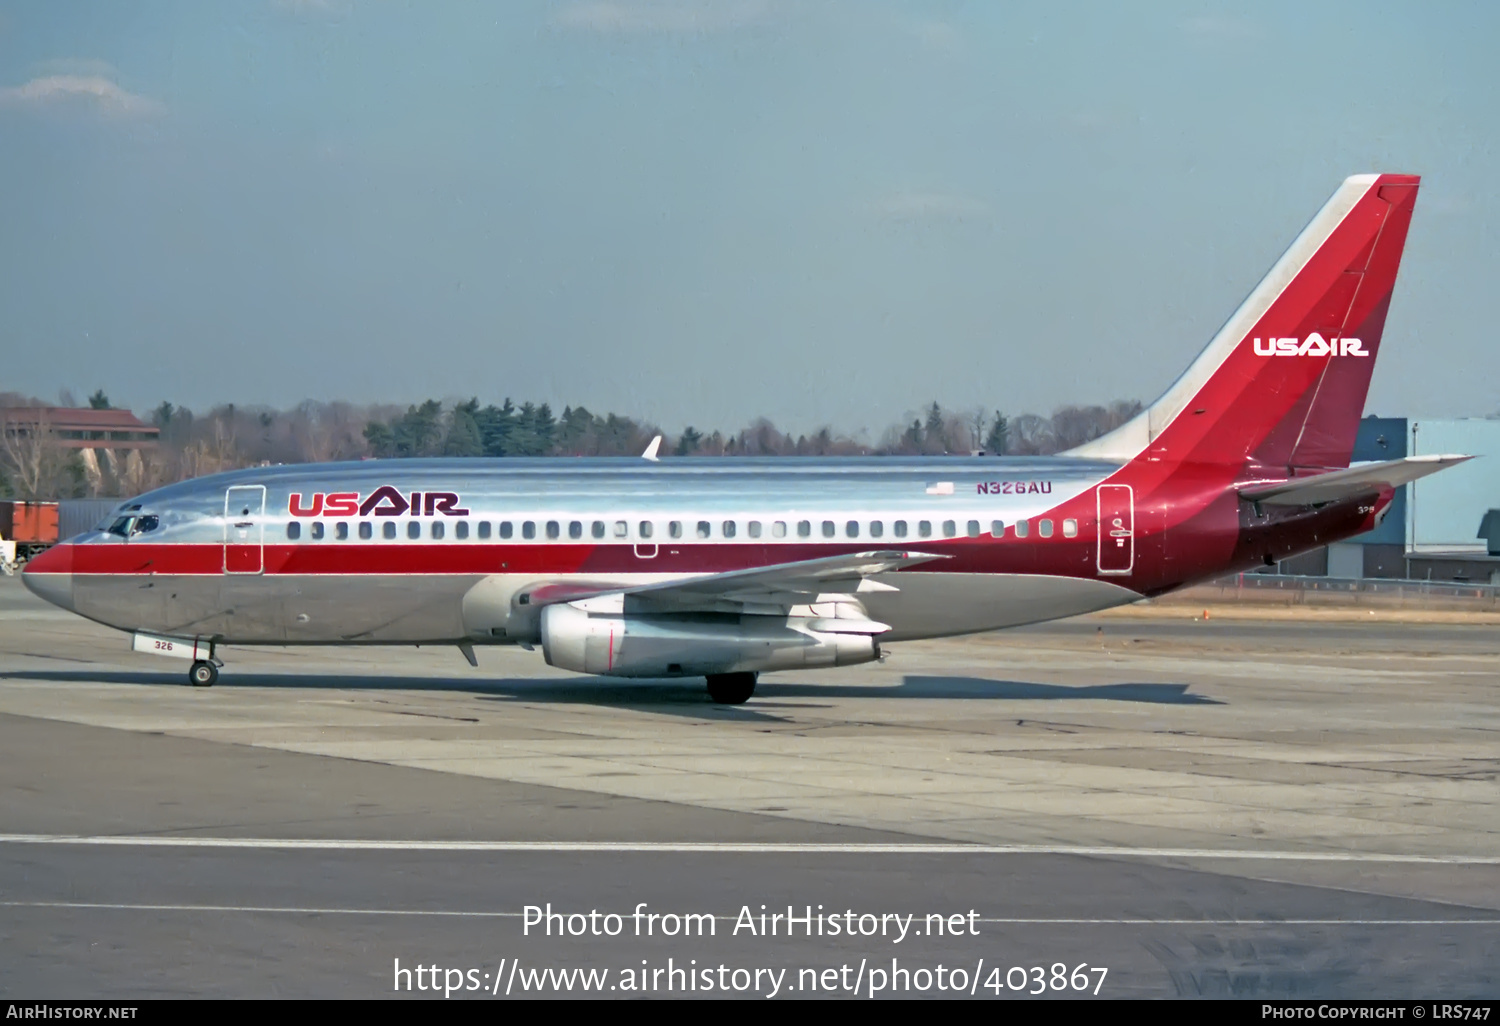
[(781, 584), (1360, 479)]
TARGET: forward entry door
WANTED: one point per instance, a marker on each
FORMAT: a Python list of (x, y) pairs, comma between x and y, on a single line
[(1116, 529), (244, 529)]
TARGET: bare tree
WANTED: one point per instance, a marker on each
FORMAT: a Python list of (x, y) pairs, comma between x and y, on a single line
[(976, 423), (1030, 435), (1074, 425), (37, 464), (317, 432), (1122, 411), (214, 450), (762, 439)]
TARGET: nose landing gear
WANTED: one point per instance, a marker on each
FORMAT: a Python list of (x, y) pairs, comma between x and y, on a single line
[(731, 688), (204, 674)]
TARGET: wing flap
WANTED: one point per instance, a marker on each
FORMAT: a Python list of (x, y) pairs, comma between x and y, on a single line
[(780, 584), (1360, 479)]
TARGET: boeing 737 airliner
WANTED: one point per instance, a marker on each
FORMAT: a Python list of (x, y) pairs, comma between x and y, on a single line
[(726, 568)]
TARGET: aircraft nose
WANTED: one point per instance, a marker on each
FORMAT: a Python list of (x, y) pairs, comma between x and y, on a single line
[(50, 575)]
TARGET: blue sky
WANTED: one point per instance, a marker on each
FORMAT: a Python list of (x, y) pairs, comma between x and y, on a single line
[(699, 211)]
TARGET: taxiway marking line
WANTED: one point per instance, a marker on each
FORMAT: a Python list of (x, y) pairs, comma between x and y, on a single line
[(470, 914), (736, 848)]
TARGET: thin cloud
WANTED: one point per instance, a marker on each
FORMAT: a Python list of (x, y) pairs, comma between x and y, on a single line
[(62, 91), (662, 16), (930, 206)]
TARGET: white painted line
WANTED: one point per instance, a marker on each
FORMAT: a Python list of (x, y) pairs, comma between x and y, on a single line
[(276, 909), (738, 848), (1243, 922), (318, 911)]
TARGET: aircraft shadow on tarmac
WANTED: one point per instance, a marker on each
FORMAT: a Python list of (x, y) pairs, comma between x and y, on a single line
[(681, 697)]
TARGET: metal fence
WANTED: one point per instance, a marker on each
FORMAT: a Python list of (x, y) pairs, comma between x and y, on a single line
[(74, 516), (1381, 590)]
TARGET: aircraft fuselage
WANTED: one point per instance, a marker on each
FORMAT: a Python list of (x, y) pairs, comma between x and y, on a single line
[(435, 551)]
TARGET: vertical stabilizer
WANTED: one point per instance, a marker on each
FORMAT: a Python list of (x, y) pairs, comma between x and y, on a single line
[(1283, 383)]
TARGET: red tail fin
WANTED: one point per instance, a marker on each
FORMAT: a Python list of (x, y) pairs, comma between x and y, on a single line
[(1283, 383)]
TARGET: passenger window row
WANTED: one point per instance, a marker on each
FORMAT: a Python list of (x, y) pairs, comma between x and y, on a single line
[(645, 529)]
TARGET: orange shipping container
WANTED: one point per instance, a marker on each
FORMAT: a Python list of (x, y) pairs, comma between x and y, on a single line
[(29, 522)]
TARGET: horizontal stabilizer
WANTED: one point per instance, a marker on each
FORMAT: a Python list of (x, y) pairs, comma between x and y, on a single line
[(1360, 479)]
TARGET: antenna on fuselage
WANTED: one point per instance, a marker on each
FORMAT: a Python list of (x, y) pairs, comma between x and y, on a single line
[(651, 450)]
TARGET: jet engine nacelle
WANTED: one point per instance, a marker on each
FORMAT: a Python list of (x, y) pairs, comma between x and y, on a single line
[(693, 646)]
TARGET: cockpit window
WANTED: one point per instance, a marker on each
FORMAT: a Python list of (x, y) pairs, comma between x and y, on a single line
[(144, 524), (121, 526)]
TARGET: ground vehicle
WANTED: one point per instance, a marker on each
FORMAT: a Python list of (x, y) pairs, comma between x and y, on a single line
[(28, 526)]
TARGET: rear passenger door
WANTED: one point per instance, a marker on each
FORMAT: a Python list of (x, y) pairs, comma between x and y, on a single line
[(1116, 506)]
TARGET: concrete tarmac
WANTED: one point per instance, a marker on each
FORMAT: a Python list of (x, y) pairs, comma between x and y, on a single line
[(1202, 809)]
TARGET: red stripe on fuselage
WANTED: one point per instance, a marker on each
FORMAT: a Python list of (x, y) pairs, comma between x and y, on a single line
[(1071, 556)]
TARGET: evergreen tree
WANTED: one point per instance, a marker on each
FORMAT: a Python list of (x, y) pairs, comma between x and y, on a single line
[(994, 442), (935, 434), (379, 437), (544, 426), (495, 426), (463, 432), (619, 436), (99, 401), (576, 431), (418, 431), (689, 441), (523, 440)]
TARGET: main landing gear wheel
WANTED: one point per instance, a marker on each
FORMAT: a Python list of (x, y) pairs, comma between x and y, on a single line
[(731, 688), (203, 674)]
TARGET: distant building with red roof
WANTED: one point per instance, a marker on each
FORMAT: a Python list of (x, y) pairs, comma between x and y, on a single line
[(81, 428)]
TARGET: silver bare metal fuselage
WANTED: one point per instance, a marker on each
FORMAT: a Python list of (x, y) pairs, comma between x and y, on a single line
[(343, 580)]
